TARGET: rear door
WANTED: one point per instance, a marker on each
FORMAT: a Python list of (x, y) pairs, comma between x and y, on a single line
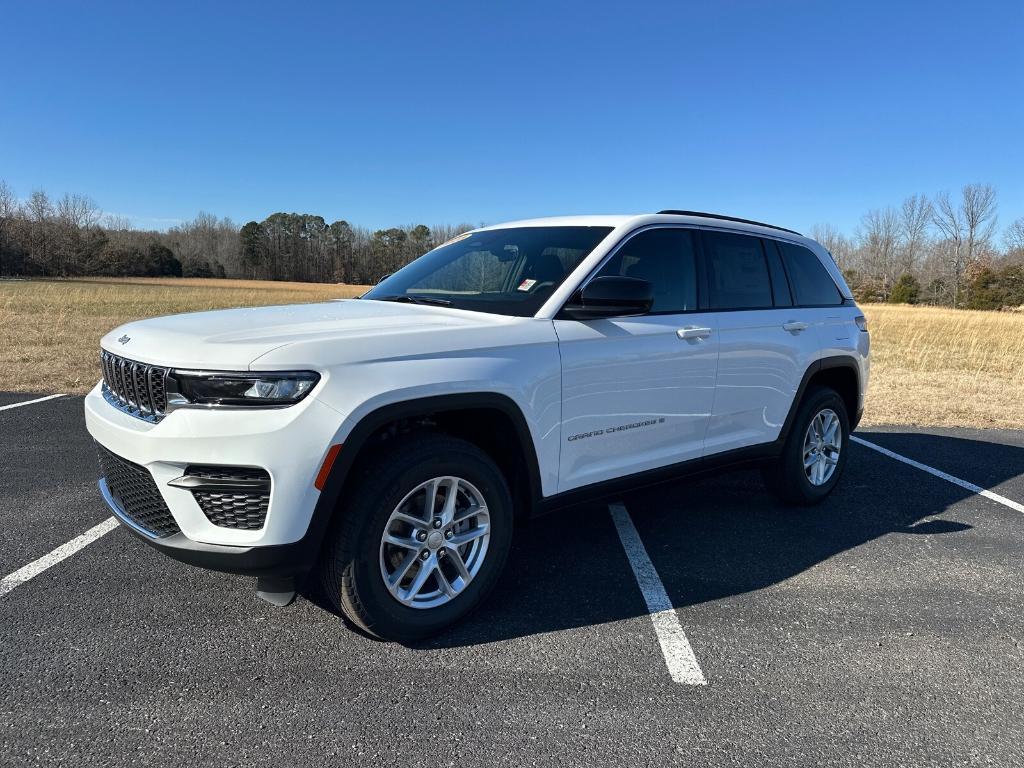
[(637, 391), (817, 296), (765, 342)]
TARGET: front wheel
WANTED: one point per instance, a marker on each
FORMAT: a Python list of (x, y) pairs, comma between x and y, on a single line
[(815, 451), (423, 539)]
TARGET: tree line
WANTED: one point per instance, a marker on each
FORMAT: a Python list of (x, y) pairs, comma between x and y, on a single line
[(71, 237), (940, 250)]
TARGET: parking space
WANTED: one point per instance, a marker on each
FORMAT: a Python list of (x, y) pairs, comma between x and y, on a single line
[(11, 400), (882, 627), (48, 468), (991, 458)]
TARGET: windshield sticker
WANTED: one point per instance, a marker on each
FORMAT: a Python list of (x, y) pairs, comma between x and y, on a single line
[(526, 285)]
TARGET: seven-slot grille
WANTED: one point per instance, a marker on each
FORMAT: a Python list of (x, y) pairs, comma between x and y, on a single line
[(135, 492), (136, 388)]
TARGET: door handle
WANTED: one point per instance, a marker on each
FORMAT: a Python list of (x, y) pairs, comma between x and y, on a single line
[(693, 333), (795, 326)]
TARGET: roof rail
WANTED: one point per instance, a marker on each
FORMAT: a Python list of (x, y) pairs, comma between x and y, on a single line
[(728, 218)]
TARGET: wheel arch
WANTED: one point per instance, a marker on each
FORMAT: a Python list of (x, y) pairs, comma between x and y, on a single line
[(839, 372), (482, 418)]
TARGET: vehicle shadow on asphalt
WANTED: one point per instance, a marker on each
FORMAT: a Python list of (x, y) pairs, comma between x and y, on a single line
[(718, 537), (714, 538)]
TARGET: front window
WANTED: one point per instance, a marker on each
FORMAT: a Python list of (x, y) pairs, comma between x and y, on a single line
[(667, 259), (509, 271)]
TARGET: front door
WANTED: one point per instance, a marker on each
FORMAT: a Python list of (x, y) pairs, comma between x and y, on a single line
[(637, 392)]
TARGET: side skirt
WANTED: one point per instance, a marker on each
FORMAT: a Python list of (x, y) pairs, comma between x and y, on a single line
[(691, 469)]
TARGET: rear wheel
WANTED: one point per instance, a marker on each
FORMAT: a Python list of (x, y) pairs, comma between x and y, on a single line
[(423, 539), (815, 452)]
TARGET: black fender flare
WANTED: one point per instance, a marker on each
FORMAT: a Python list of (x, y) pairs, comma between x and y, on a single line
[(372, 422), (822, 364)]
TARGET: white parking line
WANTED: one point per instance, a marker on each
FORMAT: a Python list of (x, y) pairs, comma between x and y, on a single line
[(29, 402), (944, 475), (679, 657), (36, 567)]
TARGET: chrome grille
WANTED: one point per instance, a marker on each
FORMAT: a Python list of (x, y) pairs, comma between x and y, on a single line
[(135, 388)]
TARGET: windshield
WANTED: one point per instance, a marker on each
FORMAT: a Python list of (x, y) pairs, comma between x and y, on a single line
[(504, 271)]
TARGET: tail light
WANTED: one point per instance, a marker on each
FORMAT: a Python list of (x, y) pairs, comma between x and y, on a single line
[(862, 322)]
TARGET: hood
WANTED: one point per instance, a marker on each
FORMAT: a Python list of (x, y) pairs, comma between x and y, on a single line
[(231, 339)]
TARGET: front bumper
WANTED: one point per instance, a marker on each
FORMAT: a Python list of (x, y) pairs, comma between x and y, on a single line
[(288, 443), (281, 560)]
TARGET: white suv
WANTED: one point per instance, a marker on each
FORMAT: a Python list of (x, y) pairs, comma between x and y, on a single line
[(390, 443)]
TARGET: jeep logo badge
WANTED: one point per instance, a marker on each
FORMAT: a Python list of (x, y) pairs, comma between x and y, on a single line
[(125, 339)]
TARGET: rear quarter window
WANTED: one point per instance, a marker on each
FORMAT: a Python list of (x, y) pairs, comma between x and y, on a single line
[(812, 285)]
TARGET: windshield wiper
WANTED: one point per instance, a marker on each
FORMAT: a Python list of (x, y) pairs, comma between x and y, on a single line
[(409, 298)]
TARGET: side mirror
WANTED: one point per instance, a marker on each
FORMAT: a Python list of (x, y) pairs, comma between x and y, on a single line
[(610, 296), (383, 278)]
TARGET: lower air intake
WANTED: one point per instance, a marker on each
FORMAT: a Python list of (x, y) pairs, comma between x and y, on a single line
[(239, 508), (135, 492)]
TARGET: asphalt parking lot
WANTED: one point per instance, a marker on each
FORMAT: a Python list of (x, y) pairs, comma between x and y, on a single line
[(882, 628)]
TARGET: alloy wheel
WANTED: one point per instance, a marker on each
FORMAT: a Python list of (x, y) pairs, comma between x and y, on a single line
[(435, 542), (822, 443)]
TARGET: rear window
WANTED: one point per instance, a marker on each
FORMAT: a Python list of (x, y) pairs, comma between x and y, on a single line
[(737, 272), (812, 285)]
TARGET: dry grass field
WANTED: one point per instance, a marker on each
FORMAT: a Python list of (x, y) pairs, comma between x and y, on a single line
[(933, 367), (945, 367), (50, 329)]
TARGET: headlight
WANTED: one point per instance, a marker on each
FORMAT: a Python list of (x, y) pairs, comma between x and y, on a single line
[(245, 389)]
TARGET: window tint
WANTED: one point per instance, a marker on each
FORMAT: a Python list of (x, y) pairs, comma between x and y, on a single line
[(812, 284), (667, 259), (737, 272)]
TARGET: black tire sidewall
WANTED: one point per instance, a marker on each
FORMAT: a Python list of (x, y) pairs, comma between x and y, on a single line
[(384, 615), (793, 466)]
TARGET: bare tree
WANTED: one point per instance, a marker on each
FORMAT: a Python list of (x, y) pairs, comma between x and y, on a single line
[(77, 211), (915, 217), (879, 248), (979, 208), (8, 202), (117, 223), (442, 233), (967, 228), (8, 215), (1013, 241), (949, 220), (835, 242), (74, 217), (39, 213)]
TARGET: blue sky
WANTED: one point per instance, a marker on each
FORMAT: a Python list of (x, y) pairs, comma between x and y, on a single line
[(382, 114)]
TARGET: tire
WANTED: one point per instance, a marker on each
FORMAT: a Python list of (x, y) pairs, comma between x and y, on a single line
[(355, 558), (786, 476)]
